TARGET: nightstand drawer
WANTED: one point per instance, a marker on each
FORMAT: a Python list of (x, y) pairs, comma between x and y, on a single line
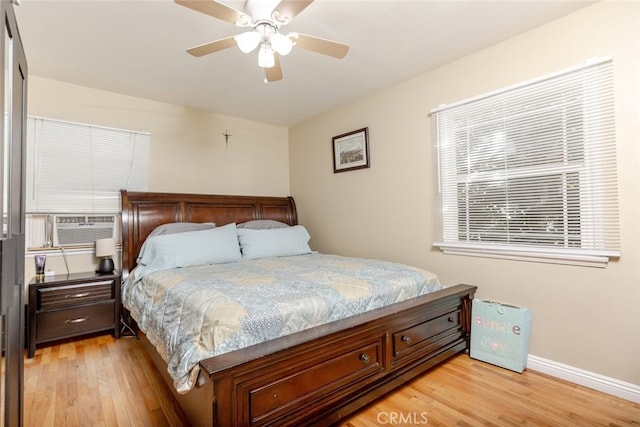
[(73, 295), (59, 324)]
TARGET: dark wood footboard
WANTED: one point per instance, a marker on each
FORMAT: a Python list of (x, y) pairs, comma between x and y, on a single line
[(319, 376)]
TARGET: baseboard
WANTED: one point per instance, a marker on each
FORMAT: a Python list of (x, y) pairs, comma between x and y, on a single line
[(588, 379)]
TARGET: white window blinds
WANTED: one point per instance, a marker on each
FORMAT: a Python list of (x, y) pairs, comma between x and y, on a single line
[(76, 168), (531, 170)]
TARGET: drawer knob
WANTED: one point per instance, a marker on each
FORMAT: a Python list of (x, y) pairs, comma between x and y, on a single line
[(451, 319), (364, 357), (80, 295), (406, 339), (78, 320)]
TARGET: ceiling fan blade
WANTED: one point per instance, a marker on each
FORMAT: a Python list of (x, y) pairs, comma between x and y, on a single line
[(320, 45), (211, 47), (289, 9), (217, 10), (274, 73)]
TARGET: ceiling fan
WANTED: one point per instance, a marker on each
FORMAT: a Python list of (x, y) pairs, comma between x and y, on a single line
[(263, 19)]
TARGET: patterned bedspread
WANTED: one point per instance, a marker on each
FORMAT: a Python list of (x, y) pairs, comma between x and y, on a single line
[(193, 313)]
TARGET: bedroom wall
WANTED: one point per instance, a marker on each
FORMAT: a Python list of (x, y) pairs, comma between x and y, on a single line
[(188, 152), (587, 318)]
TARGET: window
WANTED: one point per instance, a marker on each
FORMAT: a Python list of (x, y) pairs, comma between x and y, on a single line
[(530, 171), (79, 169)]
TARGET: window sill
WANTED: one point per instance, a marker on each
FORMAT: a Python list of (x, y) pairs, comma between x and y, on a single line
[(528, 255)]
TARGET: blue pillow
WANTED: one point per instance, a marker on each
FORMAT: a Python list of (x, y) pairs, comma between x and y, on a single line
[(217, 245), (180, 227), (274, 242), (262, 224)]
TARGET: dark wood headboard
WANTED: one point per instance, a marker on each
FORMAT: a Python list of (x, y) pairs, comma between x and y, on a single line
[(144, 211)]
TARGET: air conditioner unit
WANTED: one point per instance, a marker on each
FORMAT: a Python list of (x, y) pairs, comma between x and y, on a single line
[(79, 230)]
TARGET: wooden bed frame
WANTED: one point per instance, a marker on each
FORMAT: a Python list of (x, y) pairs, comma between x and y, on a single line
[(314, 377)]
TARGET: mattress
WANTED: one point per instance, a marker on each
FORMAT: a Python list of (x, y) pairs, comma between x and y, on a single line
[(192, 313)]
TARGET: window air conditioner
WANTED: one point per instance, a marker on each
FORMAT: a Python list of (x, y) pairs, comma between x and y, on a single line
[(79, 230)]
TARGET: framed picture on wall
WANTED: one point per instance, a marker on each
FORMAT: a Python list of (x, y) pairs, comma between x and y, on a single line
[(351, 150)]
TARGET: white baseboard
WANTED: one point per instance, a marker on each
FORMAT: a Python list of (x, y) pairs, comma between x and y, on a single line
[(588, 379)]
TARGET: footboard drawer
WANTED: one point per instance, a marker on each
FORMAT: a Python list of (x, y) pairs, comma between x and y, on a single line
[(426, 336), (312, 381)]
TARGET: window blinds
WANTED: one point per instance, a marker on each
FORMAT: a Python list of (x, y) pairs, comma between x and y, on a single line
[(531, 168), (76, 168)]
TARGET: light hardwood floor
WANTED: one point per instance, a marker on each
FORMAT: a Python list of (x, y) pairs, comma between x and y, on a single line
[(100, 381)]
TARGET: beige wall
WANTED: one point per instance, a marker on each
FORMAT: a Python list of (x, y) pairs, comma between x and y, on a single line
[(188, 152), (584, 317)]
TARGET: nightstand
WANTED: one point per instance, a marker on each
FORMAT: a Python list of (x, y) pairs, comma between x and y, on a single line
[(69, 305)]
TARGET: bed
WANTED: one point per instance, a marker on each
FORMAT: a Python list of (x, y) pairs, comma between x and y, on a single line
[(313, 376)]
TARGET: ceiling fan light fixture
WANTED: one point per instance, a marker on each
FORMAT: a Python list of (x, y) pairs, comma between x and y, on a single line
[(248, 41), (265, 17), (281, 44), (266, 58)]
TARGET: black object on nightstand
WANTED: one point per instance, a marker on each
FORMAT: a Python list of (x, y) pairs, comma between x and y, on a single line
[(69, 305)]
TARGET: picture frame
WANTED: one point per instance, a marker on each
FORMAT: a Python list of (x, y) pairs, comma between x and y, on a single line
[(351, 150)]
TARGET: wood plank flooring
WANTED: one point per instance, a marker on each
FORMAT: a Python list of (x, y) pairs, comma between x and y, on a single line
[(468, 392), (100, 381)]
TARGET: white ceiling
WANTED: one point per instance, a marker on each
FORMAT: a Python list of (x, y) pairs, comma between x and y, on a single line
[(137, 47)]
